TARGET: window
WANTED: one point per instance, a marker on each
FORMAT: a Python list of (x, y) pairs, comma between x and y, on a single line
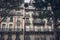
[(36, 28), (18, 24), (17, 37), (18, 27), (42, 28), (11, 19), (27, 37), (18, 18), (50, 28), (9, 37), (18, 13), (27, 28), (10, 27), (27, 21), (27, 14), (3, 27)]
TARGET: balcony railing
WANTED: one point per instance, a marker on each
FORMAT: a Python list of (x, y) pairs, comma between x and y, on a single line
[(38, 22), (10, 30)]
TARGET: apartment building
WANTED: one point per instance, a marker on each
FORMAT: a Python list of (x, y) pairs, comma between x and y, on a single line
[(11, 27), (28, 24), (37, 28)]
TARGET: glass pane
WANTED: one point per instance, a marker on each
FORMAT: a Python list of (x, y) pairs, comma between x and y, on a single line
[(10, 27), (36, 28), (11, 18), (27, 28), (27, 14), (50, 28), (18, 17), (18, 29), (18, 23), (3, 26), (42, 28), (18, 20), (27, 37)]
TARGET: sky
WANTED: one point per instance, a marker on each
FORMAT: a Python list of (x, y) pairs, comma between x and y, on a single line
[(26, 1)]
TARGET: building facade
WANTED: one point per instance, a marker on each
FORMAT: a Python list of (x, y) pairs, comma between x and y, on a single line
[(28, 24)]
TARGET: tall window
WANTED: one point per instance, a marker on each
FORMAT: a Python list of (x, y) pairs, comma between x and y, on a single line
[(27, 14), (11, 19), (18, 26), (27, 37), (50, 28), (3, 27), (18, 23), (27, 28), (36, 28), (18, 18), (10, 27), (42, 28), (27, 22)]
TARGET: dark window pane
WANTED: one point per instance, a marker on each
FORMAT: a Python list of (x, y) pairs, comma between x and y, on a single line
[(27, 37), (11, 18), (10, 27), (3, 27)]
